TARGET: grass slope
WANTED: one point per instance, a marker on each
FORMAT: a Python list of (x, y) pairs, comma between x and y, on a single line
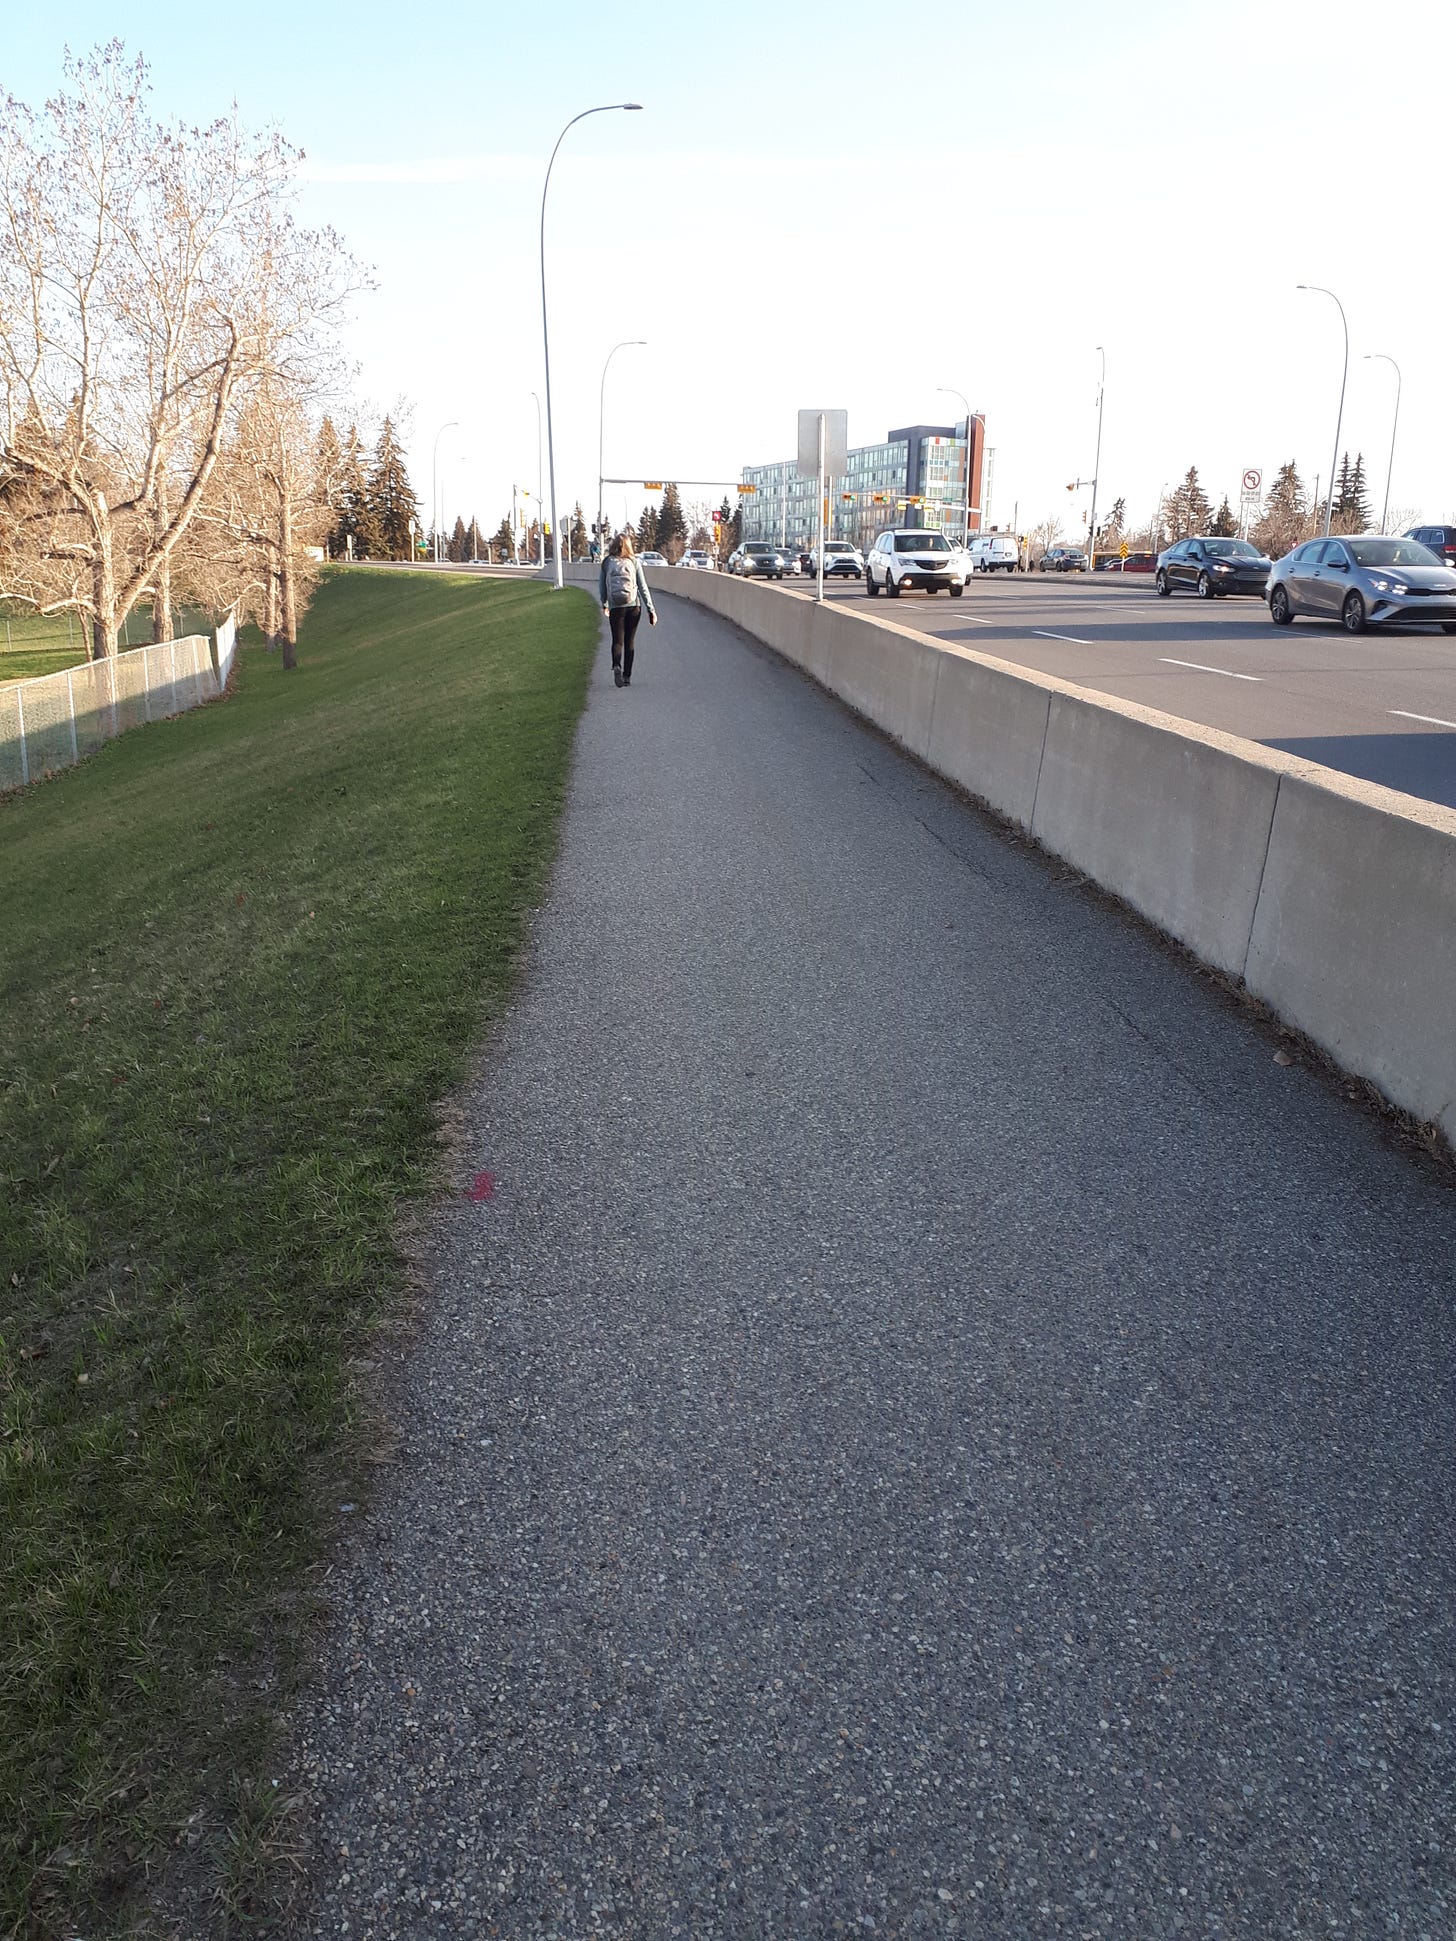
[(243, 954)]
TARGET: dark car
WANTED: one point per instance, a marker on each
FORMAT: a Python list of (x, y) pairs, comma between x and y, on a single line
[(1211, 567), (757, 556), (1062, 559), (1440, 540), (1365, 582)]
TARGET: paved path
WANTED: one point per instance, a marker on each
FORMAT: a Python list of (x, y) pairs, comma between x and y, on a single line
[(1381, 705), (935, 1433)]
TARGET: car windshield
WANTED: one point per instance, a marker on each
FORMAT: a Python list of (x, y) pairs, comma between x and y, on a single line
[(758, 546), (1391, 552), (1231, 549), (836, 546), (921, 542)]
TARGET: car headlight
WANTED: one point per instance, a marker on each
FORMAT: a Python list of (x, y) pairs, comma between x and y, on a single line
[(1218, 567), (1389, 586)]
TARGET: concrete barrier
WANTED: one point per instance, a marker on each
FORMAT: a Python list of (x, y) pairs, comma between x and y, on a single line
[(1334, 900), (1354, 938), (1174, 822)]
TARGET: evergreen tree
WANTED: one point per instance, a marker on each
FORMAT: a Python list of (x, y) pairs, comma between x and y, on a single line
[(1224, 523), (672, 528), (579, 540), (1352, 508), (501, 544), (1281, 525), (1187, 509), (391, 499), (475, 547), (1110, 532), (328, 484), (647, 530), (458, 548), (353, 519)]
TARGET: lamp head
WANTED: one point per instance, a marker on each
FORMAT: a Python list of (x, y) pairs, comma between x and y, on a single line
[(632, 107)]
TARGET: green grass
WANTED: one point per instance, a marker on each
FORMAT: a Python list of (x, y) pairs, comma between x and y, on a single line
[(33, 644), (244, 953)]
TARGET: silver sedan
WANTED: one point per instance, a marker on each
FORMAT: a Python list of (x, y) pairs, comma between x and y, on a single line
[(1363, 583)]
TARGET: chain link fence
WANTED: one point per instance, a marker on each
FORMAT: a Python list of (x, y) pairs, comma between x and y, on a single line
[(55, 720)]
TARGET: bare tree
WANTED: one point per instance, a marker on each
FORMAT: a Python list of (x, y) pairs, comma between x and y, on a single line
[(1046, 533), (151, 281)]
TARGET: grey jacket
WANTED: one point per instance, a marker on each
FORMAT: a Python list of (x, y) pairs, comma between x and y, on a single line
[(644, 593)]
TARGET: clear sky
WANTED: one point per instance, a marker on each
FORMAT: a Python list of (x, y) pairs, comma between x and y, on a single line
[(853, 204)]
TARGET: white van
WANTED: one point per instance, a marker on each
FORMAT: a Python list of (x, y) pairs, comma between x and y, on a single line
[(993, 552)]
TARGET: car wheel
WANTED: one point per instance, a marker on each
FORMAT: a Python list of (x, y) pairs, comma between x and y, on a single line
[(955, 592), (892, 590), (1205, 587), (1352, 613), (1162, 584), (1280, 611), (870, 588), (1448, 626)]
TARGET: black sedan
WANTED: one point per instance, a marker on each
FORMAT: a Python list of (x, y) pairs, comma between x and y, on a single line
[(1210, 567)]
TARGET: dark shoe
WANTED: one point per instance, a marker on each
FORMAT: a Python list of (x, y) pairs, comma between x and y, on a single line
[(626, 680), (618, 677)]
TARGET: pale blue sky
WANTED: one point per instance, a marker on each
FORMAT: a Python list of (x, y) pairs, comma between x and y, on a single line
[(852, 204)]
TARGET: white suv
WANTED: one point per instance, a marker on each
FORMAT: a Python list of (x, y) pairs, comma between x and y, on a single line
[(916, 557), (839, 557)]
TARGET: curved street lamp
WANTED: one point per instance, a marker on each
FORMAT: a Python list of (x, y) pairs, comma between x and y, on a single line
[(980, 417), (1340, 414), (1096, 468), (1385, 358), (607, 108), (452, 424), (627, 343)]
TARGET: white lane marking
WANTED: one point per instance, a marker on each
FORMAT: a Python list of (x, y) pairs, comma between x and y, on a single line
[(1199, 668), (1071, 637), (1434, 719)]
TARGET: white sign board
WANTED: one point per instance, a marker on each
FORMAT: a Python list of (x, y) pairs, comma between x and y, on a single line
[(1253, 479), (836, 444)]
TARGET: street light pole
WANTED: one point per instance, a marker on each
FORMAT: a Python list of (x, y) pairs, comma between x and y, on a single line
[(1384, 358), (978, 417), (609, 107), (540, 507), (452, 425), (1340, 414), (637, 343), (1096, 467)]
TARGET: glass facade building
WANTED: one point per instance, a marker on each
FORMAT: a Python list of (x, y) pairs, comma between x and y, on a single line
[(917, 477)]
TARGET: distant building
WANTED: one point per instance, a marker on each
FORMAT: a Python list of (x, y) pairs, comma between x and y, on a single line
[(916, 478)]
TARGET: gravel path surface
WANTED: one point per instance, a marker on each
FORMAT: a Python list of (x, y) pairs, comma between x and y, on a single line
[(934, 1433)]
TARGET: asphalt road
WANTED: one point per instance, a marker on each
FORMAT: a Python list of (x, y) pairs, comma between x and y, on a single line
[(928, 1430), (1380, 705)]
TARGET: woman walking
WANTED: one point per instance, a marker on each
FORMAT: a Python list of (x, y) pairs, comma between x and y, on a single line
[(623, 591)]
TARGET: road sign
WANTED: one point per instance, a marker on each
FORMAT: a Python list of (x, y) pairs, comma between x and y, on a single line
[(1122, 550), (1253, 479), (652, 485), (836, 444)]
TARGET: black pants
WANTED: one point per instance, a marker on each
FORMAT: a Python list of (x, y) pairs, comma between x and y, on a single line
[(624, 631)]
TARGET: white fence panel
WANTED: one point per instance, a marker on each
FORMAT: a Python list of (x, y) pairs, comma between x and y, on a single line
[(52, 721)]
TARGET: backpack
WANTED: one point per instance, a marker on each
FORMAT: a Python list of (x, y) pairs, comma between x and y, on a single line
[(621, 582)]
